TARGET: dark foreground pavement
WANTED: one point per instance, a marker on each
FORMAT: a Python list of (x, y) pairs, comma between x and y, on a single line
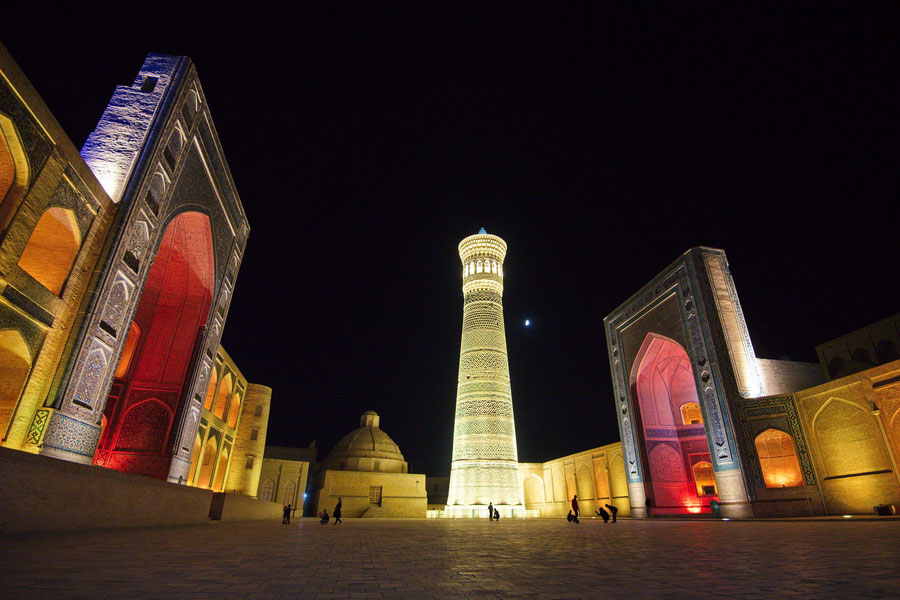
[(422, 559)]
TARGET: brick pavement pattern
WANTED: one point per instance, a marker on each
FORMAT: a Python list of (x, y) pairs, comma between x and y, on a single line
[(422, 559)]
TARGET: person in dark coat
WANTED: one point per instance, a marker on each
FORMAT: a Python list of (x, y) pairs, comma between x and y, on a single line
[(612, 510), (603, 514), (571, 518), (286, 520), (575, 507), (496, 515), (337, 512), (491, 511), (323, 518)]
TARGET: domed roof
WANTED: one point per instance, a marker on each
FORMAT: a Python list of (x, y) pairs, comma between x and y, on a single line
[(367, 442)]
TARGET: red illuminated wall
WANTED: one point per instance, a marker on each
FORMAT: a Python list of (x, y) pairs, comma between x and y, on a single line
[(662, 384), (170, 316)]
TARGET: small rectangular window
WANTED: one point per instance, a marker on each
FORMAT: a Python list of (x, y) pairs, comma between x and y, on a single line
[(254, 433), (375, 495), (249, 464), (149, 84), (258, 411)]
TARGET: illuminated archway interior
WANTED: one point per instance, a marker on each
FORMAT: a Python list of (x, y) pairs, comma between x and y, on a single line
[(51, 250), (679, 475), (778, 459), (156, 359), (15, 363)]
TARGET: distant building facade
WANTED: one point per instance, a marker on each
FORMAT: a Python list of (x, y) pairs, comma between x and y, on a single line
[(117, 269), (596, 476), (284, 475), (704, 420)]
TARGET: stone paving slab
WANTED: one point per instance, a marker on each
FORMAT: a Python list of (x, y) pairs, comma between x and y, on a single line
[(422, 559)]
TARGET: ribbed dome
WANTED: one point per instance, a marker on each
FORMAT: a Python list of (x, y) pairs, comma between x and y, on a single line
[(367, 448), (366, 442)]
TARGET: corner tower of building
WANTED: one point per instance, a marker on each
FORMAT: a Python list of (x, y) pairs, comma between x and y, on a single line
[(485, 466)]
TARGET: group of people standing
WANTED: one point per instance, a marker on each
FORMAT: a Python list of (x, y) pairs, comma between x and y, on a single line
[(600, 512), (493, 513)]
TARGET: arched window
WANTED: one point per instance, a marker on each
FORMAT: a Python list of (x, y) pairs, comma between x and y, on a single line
[(500, 270), (204, 480), (472, 268), (211, 390), (289, 488), (690, 413), (50, 252), (705, 479), (465, 270), (234, 411), (223, 396), (134, 334), (15, 363), (778, 459), (195, 458), (494, 267), (267, 491), (479, 267), (221, 471)]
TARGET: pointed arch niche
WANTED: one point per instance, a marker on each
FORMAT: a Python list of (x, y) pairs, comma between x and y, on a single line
[(15, 364), (678, 472), (168, 323)]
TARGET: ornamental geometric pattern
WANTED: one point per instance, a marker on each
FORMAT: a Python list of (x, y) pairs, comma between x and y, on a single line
[(484, 466)]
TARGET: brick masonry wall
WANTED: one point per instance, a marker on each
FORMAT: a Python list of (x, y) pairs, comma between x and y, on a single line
[(786, 376)]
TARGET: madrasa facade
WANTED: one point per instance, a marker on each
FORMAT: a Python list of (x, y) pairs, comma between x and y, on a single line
[(117, 268)]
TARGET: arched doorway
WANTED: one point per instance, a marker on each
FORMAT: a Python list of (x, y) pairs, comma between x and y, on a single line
[(168, 325), (678, 469)]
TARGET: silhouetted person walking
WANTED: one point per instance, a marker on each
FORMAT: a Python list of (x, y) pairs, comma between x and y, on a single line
[(286, 520), (575, 507), (491, 511), (603, 514), (612, 510), (337, 512)]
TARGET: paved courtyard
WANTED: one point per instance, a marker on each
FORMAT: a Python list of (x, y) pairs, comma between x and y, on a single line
[(461, 559)]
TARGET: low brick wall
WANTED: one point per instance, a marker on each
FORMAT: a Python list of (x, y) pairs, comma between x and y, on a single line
[(39, 493), (232, 507)]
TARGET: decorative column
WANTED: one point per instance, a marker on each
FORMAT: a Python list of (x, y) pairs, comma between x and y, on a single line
[(485, 464)]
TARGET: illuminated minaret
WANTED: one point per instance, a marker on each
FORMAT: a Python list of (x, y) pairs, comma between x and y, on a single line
[(485, 464)]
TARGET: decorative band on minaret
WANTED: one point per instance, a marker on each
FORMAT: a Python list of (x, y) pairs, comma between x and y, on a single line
[(485, 464)]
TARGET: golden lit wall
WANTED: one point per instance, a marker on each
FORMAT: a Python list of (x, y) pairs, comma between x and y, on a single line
[(372, 494), (215, 444), (852, 425), (54, 217), (250, 440), (597, 476), (283, 481)]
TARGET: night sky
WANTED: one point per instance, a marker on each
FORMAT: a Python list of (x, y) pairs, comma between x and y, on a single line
[(366, 145)]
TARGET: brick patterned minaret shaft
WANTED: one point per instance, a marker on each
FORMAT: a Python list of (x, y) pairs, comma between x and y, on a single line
[(485, 466)]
